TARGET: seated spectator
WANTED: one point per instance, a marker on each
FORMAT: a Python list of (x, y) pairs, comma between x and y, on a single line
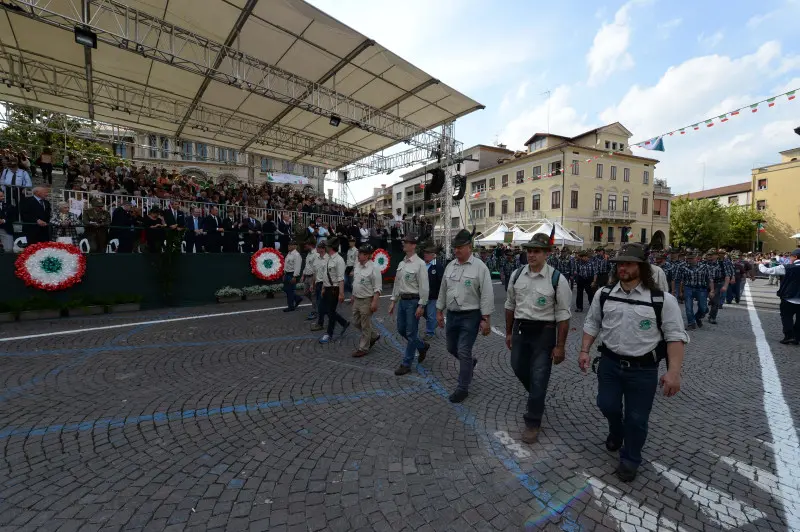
[(63, 224)]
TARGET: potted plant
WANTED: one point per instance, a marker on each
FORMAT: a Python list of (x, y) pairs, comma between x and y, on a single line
[(84, 307), (125, 303), (37, 308), (252, 293), (228, 294)]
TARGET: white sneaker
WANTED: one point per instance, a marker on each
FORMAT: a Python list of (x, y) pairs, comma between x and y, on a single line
[(325, 339)]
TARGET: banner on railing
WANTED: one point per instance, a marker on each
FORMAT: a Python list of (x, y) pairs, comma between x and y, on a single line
[(288, 179)]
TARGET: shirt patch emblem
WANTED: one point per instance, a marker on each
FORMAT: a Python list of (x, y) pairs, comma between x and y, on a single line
[(644, 325), (433, 271), (409, 276), (541, 301), (363, 280), (468, 282)]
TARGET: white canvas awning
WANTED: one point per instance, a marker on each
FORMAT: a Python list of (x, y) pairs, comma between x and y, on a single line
[(796, 236), (498, 236), (279, 78), (563, 237)]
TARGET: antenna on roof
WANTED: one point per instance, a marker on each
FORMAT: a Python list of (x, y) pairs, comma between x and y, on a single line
[(548, 110)]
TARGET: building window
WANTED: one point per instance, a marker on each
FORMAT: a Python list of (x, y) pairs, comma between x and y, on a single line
[(575, 167), (119, 150), (537, 172), (613, 173), (626, 175), (186, 150), (504, 207), (621, 146), (479, 186), (660, 207), (599, 171), (520, 176), (504, 181), (761, 205), (598, 201), (614, 146), (612, 202), (762, 184), (536, 203), (608, 145), (623, 235), (491, 210), (479, 214), (646, 177), (264, 164), (597, 234), (555, 199), (555, 167), (573, 199), (201, 152), (644, 205), (624, 203), (151, 141), (733, 200), (164, 148), (519, 205), (610, 234), (399, 196), (643, 238), (491, 183), (455, 222)]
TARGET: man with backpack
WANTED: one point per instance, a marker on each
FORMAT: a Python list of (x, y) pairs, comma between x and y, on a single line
[(537, 323), (641, 325)]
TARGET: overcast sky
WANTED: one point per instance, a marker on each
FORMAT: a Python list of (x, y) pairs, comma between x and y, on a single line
[(653, 65)]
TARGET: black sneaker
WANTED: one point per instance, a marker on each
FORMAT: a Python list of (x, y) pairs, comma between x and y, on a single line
[(423, 352), (787, 340), (612, 444), (625, 474), (712, 321), (402, 370), (375, 341), (288, 310), (691, 327), (699, 323), (578, 310), (344, 329), (458, 396)]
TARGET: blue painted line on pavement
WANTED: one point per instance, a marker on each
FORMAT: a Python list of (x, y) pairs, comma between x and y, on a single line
[(495, 448), (120, 422), (115, 348)]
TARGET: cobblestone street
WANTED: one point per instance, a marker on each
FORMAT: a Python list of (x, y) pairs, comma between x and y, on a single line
[(244, 421)]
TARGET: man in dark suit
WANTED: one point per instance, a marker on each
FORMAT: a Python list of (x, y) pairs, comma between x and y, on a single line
[(213, 228), (35, 211), (253, 234), (286, 230), (174, 218), (122, 222), (230, 238), (194, 236), (435, 275), (7, 215)]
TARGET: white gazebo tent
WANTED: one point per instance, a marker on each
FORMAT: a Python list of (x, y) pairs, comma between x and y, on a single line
[(498, 236), (563, 236)]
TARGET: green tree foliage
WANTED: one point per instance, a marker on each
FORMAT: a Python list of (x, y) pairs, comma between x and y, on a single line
[(741, 227), (697, 223), (34, 129)]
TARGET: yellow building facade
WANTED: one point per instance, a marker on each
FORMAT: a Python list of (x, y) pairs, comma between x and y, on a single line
[(776, 190), (608, 201)]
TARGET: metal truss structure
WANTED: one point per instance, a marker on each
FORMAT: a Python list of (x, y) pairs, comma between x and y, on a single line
[(119, 25)]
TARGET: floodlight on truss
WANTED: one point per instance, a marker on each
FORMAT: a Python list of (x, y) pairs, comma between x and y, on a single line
[(126, 28), (385, 164)]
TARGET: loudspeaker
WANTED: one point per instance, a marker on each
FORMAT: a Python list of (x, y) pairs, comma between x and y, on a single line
[(460, 187)]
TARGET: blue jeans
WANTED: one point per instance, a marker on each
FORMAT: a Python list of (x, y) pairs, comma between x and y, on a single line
[(531, 347), (701, 294), (637, 388), (462, 330), (290, 290), (348, 282), (408, 327), (734, 291), (430, 318), (718, 299)]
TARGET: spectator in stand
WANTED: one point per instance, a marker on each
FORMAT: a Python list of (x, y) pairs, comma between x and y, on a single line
[(64, 224), (6, 225), (268, 231), (96, 220), (363, 234), (155, 230), (214, 230), (122, 227), (16, 178), (253, 235), (231, 226), (45, 162), (194, 236), (36, 213), (285, 231)]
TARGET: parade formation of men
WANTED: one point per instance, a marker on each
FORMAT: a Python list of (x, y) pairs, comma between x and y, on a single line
[(634, 308)]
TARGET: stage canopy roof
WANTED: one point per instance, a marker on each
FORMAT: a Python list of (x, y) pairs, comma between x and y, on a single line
[(263, 76)]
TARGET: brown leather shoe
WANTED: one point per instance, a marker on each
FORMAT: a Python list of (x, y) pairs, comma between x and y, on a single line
[(530, 434), (359, 353)]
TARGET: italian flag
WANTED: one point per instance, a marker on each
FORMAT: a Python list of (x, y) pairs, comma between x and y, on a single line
[(723, 118), (734, 113), (709, 123), (754, 108), (790, 95), (696, 126), (771, 102)]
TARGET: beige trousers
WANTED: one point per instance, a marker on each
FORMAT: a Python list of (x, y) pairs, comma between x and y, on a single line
[(362, 320)]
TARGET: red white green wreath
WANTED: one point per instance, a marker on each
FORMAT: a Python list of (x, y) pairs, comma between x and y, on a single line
[(381, 258), (267, 264), (51, 266)]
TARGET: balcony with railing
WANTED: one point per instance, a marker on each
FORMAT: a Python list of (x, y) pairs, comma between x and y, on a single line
[(525, 216), (614, 216)]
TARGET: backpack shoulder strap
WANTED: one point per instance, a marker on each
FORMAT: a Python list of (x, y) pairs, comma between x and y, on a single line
[(516, 275), (657, 299), (554, 280), (604, 293)]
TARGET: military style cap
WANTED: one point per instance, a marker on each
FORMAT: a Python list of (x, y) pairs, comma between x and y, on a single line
[(584, 253), (351, 239), (366, 249), (410, 239), (462, 238), (538, 241), (321, 244), (796, 253), (630, 253), (430, 247), (333, 243), (599, 248)]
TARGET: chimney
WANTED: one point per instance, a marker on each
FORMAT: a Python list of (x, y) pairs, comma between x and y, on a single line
[(503, 146)]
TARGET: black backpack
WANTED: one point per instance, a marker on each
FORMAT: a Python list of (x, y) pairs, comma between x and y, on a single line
[(657, 304), (553, 280)]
